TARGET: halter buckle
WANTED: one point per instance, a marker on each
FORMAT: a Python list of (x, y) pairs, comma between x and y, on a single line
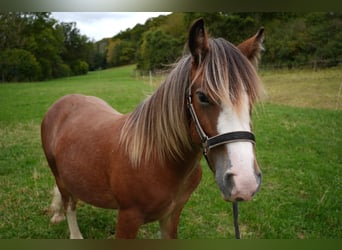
[(205, 147)]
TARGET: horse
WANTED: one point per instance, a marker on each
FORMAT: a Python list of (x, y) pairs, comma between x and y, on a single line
[(146, 164)]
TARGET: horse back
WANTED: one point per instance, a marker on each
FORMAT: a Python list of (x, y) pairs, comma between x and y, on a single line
[(75, 113)]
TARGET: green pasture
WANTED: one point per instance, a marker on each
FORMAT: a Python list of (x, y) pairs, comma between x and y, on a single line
[(299, 148)]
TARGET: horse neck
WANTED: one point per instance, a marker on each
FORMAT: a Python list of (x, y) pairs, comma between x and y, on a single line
[(159, 128)]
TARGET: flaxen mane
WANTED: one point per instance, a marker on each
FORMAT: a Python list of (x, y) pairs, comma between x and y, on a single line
[(159, 126)]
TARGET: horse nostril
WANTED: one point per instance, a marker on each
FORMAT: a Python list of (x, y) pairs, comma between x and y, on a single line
[(259, 174), (228, 182), (259, 177), (228, 178)]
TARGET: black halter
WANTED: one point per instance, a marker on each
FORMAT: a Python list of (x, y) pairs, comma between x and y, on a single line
[(217, 140)]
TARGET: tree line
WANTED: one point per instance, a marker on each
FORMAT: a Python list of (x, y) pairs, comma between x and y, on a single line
[(292, 39), (34, 46)]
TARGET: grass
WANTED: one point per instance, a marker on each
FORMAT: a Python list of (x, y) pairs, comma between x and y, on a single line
[(305, 88), (299, 149)]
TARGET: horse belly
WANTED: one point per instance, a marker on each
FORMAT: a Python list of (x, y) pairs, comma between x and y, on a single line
[(88, 182)]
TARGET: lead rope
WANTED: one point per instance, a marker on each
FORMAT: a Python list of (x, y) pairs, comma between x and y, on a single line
[(235, 211), (236, 220)]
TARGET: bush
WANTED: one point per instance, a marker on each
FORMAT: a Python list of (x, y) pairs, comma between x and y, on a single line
[(62, 70), (17, 65), (79, 67)]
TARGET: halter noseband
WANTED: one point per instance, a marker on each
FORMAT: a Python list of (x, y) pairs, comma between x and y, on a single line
[(217, 140)]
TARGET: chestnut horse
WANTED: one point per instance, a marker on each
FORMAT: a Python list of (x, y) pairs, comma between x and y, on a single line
[(146, 163)]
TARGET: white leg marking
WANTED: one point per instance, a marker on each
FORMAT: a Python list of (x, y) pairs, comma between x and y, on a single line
[(57, 207), (72, 223)]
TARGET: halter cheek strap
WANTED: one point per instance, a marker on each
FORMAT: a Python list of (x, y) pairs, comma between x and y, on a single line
[(217, 140)]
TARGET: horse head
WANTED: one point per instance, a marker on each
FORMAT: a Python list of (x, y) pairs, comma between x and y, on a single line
[(223, 88)]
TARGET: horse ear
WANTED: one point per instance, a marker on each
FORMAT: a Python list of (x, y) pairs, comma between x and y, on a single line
[(198, 41), (252, 47)]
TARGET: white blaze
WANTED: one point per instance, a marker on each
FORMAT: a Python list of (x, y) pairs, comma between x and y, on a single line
[(240, 154)]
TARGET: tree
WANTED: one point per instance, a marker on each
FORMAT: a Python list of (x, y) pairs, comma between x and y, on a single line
[(13, 28), (36, 34), (120, 52), (18, 65), (324, 41), (110, 58), (158, 50), (77, 48), (47, 45)]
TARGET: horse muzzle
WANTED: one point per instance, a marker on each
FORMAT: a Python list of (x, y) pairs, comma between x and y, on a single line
[(237, 184), (239, 178)]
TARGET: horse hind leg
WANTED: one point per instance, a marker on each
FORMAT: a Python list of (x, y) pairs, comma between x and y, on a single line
[(60, 203), (72, 220), (56, 207)]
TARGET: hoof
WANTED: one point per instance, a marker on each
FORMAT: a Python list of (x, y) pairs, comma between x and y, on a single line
[(76, 237), (56, 218)]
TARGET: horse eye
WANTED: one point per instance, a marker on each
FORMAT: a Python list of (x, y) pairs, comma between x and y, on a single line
[(202, 98)]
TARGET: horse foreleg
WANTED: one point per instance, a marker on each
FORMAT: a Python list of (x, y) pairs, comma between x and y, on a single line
[(129, 222), (72, 220), (169, 225)]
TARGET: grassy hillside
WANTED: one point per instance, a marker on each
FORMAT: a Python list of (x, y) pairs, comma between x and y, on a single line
[(320, 89), (299, 142)]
